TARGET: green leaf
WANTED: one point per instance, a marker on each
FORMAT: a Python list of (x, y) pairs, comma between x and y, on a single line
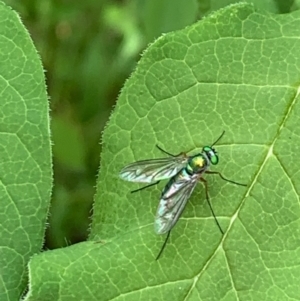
[(274, 6), (236, 70), (25, 154)]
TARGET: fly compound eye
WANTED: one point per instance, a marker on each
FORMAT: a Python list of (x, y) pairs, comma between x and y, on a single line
[(214, 159), (211, 154)]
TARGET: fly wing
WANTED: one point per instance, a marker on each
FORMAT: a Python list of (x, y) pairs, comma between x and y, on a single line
[(173, 201), (148, 171)]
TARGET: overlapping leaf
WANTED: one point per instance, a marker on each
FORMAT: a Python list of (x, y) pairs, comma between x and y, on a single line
[(25, 156)]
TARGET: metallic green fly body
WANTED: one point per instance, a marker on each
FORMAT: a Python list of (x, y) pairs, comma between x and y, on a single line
[(180, 187), (184, 173)]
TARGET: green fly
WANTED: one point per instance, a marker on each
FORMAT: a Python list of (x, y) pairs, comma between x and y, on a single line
[(184, 173)]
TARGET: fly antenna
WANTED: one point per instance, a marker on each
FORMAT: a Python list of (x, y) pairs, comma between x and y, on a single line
[(218, 138)]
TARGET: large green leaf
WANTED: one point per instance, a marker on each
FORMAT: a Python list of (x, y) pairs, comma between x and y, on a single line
[(25, 155), (236, 70)]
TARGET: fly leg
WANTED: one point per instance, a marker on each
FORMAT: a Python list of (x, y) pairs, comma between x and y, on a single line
[(165, 152), (223, 178), (209, 204), (163, 246), (144, 187), (183, 154)]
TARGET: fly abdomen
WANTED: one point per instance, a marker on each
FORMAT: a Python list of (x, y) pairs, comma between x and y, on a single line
[(175, 183)]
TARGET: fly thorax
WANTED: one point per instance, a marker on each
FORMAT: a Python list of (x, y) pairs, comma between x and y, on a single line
[(196, 164)]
